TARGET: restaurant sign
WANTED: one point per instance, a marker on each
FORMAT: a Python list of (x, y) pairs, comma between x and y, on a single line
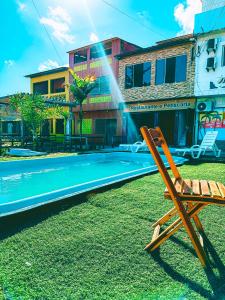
[(160, 105)]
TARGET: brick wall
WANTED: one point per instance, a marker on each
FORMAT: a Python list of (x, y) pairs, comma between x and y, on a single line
[(163, 91)]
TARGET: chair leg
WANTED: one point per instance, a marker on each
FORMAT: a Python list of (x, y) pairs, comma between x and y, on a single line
[(196, 220), (192, 234), (199, 226)]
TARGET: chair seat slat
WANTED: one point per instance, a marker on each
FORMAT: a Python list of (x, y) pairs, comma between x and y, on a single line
[(205, 188), (196, 187), (178, 185), (173, 181), (187, 187), (214, 189), (221, 188)]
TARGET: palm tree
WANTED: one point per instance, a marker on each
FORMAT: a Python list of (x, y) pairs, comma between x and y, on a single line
[(80, 89)]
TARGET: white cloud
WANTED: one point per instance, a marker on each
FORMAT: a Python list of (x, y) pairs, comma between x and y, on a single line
[(48, 65), (184, 15), (9, 62), (21, 6), (60, 13), (93, 37), (59, 21)]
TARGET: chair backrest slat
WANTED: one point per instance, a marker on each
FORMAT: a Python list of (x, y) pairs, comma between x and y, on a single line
[(209, 139), (154, 138)]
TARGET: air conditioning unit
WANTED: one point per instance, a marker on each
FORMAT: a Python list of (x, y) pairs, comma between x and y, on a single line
[(212, 45), (211, 64), (204, 106)]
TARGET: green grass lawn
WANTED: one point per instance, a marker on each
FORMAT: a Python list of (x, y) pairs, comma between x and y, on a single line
[(91, 247)]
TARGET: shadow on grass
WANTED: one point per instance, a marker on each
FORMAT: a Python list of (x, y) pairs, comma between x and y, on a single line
[(10, 225), (217, 282), (13, 224)]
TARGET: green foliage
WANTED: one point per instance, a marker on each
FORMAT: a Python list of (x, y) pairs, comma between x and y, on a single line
[(58, 112), (80, 89), (3, 153), (32, 110), (94, 250)]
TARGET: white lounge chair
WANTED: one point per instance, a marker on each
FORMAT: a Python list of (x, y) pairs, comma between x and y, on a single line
[(24, 152), (138, 146), (208, 144)]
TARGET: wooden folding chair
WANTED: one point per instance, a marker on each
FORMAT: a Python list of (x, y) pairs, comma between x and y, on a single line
[(189, 197)]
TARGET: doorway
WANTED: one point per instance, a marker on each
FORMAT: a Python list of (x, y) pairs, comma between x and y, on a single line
[(106, 127), (142, 119), (167, 121)]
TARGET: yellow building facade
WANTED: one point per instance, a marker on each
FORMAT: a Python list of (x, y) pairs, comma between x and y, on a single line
[(52, 84)]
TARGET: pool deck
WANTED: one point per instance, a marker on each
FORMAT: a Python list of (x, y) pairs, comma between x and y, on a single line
[(206, 158)]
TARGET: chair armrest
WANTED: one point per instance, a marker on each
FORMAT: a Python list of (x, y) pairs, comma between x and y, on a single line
[(195, 147)]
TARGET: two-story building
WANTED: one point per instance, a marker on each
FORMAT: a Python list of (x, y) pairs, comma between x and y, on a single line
[(157, 85), (210, 70), (101, 113), (52, 84), (10, 123)]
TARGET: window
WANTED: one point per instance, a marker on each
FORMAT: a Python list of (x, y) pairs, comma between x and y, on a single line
[(211, 45), (223, 56), (59, 126), (40, 88), (138, 75), (86, 126), (58, 85), (102, 86), (80, 56), (108, 48), (100, 50), (129, 77), (11, 127), (170, 70)]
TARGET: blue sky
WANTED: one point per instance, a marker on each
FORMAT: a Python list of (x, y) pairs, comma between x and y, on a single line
[(26, 47)]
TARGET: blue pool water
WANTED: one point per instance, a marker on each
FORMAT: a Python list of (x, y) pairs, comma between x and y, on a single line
[(29, 183)]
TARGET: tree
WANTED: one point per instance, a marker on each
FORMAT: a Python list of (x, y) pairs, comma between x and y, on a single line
[(80, 89), (32, 110)]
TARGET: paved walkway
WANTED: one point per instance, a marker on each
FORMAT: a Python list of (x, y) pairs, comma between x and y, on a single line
[(207, 157)]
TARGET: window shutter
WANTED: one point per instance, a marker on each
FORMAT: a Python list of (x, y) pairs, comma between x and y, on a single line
[(160, 71), (181, 68)]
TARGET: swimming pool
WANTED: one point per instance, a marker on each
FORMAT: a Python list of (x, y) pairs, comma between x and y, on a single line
[(29, 183)]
